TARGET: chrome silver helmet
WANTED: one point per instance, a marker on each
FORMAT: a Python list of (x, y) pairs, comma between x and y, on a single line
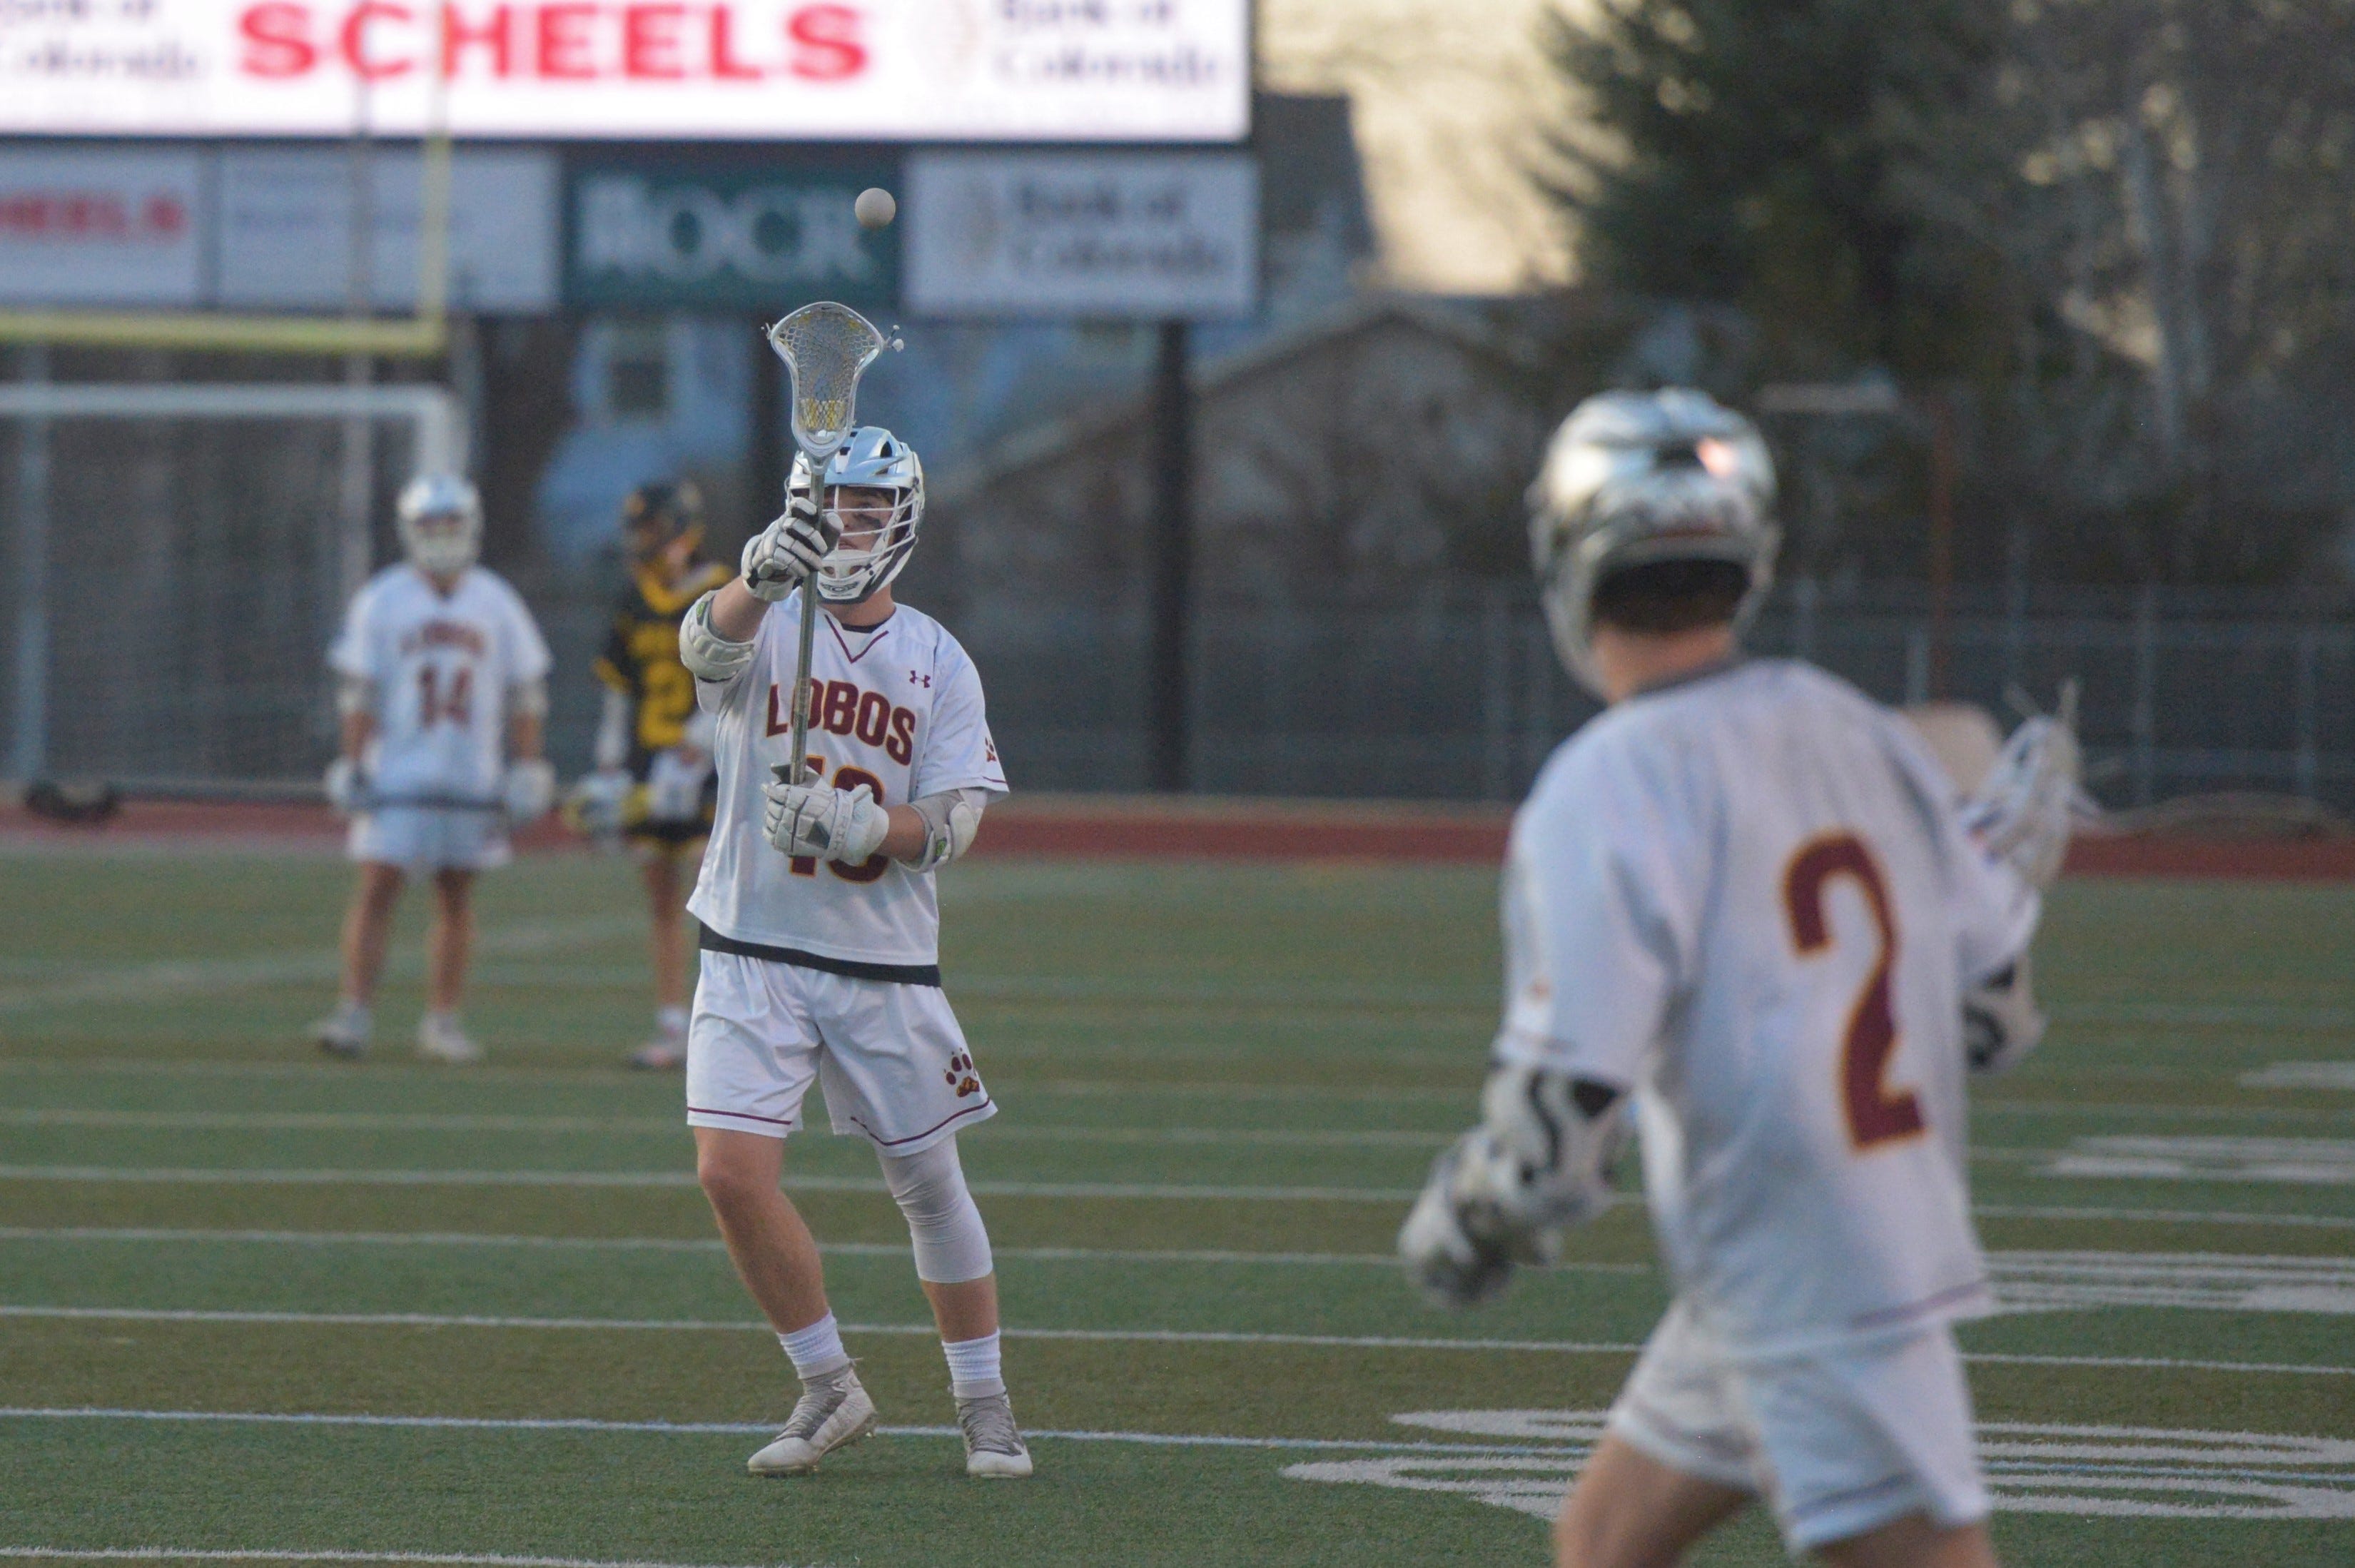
[(873, 458), (1635, 477), (440, 551)]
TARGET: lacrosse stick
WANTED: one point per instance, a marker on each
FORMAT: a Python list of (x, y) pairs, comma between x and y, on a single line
[(826, 347)]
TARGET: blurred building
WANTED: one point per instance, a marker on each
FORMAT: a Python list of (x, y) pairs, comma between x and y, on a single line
[(669, 394), (1451, 99)]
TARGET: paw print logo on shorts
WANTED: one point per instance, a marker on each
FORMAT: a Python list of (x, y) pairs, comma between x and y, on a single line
[(961, 1076)]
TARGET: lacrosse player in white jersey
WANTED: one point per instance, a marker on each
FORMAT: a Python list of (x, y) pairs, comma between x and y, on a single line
[(820, 932), (441, 679), (1745, 909)]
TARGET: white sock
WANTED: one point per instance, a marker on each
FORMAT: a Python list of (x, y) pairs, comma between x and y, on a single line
[(815, 1351), (972, 1367), (355, 1015), (671, 1022), (441, 1019)]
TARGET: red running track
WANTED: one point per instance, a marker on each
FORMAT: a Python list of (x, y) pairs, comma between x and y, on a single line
[(1134, 827)]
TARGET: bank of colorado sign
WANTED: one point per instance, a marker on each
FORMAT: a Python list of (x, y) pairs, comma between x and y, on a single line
[(576, 69)]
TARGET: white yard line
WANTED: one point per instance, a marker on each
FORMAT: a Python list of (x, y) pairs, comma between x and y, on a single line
[(1103, 1336), (169, 982), (300, 1176), (361, 1121), (692, 1428), (2299, 1162), (203, 1176), (2163, 1216), (1464, 1094), (2333, 1075), (218, 1554), (149, 1234)]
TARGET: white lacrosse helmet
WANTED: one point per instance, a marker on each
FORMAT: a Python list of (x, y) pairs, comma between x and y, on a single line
[(1632, 478), (873, 458), (442, 551)]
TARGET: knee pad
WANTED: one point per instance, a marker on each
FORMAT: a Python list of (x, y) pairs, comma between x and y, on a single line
[(942, 1224)]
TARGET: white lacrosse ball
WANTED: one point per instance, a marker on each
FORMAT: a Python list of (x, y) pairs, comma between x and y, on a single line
[(875, 208)]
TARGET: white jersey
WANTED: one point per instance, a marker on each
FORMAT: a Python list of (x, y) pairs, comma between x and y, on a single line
[(897, 707), (440, 668), (1747, 897)]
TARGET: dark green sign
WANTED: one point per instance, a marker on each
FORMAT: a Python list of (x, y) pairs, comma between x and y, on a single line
[(763, 236)]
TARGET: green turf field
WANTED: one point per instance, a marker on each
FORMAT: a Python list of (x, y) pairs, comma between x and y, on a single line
[(256, 1304)]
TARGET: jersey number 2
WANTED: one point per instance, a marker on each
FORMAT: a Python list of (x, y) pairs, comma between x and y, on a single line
[(1875, 1114)]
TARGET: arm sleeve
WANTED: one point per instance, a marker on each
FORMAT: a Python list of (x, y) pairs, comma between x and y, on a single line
[(958, 752), (527, 657), (713, 696), (352, 654), (1601, 910)]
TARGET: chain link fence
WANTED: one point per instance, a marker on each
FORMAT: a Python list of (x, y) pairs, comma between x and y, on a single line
[(173, 628)]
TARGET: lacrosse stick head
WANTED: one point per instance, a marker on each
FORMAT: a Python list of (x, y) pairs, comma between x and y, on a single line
[(827, 348)]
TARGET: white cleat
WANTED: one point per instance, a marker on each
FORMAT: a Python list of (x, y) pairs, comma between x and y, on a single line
[(834, 1412), (439, 1039), (993, 1443), (664, 1053), (343, 1032)]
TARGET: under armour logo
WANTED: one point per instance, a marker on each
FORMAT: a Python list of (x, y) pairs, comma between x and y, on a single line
[(923, 680)]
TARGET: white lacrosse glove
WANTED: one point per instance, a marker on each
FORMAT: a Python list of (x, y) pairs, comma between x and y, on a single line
[(843, 825), (530, 790), (345, 785), (2025, 811), (1505, 1192), (783, 555), (675, 785), (2000, 1020), (595, 805)]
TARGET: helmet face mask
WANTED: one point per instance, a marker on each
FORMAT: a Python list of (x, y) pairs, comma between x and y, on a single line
[(1632, 478), (875, 494), (440, 518)]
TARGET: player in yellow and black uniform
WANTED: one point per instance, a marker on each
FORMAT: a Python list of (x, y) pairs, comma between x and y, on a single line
[(653, 782)]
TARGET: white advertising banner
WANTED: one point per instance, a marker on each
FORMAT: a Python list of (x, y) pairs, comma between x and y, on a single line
[(574, 70), (91, 225), (292, 229), (1139, 235)]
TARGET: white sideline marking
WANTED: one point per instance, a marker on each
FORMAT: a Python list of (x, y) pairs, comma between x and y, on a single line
[(688, 1244), (2025, 1281), (1099, 1336), (206, 1176), (2301, 1075), (2222, 1282), (2163, 1216), (2328, 1162), (692, 1428), (215, 1554), (168, 982), (341, 1121), (2030, 1467)]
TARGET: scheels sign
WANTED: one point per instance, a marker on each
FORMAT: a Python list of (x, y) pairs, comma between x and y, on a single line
[(376, 41), (578, 69)]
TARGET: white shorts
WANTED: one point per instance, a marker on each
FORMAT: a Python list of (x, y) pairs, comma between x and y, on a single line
[(422, 839), (1837, 1442), (888, 1054)]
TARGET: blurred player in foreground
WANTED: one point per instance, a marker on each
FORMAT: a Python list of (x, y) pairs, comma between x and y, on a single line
[(1746, 899), (653, 785), (441, 679), (821, 932)]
